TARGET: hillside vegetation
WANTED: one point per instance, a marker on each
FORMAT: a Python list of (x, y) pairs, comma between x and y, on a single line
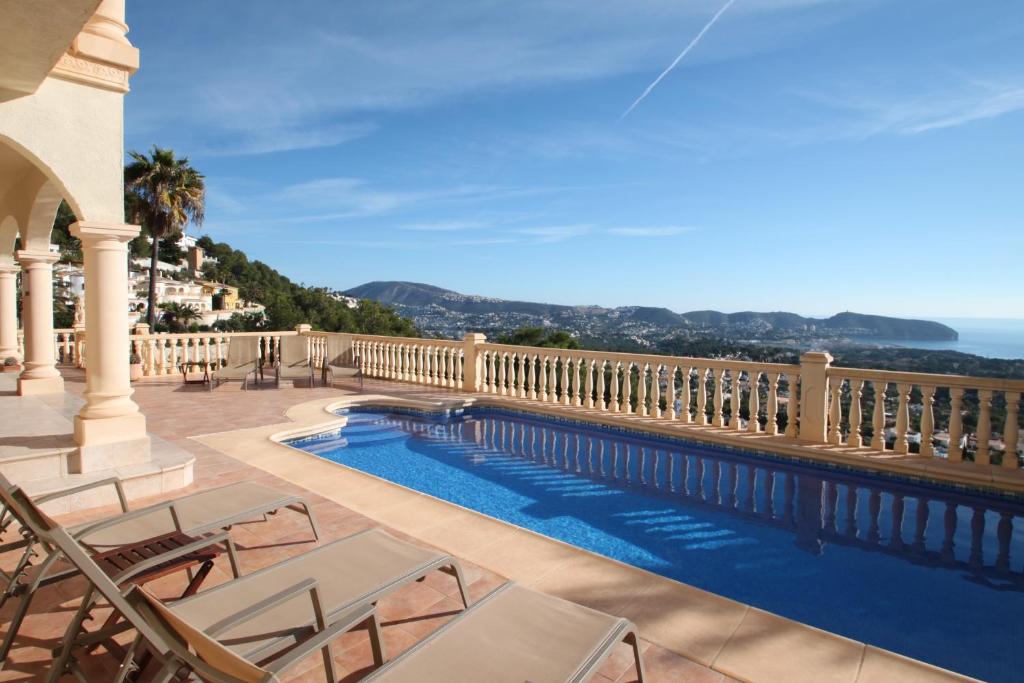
[(289, 304)]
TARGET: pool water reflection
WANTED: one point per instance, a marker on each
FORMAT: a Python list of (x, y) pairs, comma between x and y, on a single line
[(927, 572)]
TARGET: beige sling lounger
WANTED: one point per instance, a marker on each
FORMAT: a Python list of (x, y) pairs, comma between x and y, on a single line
[(243, 362), (514, 635), (294, 361), (196, 514), (300, 603), (339, 361)]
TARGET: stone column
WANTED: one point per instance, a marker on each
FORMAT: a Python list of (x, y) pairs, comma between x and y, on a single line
[(814, 396), (109, 429), (8, 312), (40, 375), (472, 368)]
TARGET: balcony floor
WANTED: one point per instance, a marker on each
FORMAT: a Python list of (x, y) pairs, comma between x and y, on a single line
[(176, 413)]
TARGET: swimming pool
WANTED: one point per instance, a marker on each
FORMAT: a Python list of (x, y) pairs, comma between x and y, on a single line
[(925, 571)]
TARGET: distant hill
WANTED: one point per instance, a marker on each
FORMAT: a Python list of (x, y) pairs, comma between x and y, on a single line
[(441, 310)]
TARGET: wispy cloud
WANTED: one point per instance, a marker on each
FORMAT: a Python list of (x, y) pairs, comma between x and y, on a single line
[(686, 50), (650, 231), (554, 233), (444, 226)]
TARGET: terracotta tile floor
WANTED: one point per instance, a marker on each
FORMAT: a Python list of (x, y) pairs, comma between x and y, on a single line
[(176, 412)]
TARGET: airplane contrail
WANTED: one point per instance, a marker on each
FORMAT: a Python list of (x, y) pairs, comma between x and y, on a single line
[(678, 59)]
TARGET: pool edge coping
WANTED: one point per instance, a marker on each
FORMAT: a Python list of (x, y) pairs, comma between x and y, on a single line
[(307, 420)]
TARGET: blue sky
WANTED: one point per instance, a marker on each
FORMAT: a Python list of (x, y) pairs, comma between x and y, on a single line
[(805, 155)]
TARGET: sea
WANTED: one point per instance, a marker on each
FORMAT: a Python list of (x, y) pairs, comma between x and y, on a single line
[(988, 337)]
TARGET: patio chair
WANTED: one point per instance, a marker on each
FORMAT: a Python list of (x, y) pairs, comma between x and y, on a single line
[(339, 361), (294, 361), (243, 362), (513, 635), (294, 607), (195, 516)]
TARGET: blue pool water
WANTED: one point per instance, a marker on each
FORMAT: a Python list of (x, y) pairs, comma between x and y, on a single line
[(925, 571)]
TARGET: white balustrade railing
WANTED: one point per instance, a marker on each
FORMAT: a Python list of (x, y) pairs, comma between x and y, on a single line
[(697, 391), (432, 362), (934, 416), (949, 416), (165, 354)]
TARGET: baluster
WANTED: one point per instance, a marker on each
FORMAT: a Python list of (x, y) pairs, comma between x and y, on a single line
[(530, 385), (735, 399), (878, 419), (702, 396), (670, 393), (565, 380), (503, 374), (577, 382), (718, 414), (161, 356), (431, 366), (627, 387), (515, 373), (589, 366), (754, 401), (655, 396), (772, 425), (835, 410), (792, 405), (519, 360), (206, 352), (685, 394), (613, 392), (419, 376), (927, 421), (494, 373), (553, 379), (174, 355), (641, 389), (853, 439), (542, 377), (1011, 431), (984, 434), (458, 368), (600, 386), (149, 366), (902, 418)]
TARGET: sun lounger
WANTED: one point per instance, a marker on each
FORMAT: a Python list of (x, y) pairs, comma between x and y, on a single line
[(514, 635), (294, 361), (339, 361), (243, 362), (195, 515), (296, 606)]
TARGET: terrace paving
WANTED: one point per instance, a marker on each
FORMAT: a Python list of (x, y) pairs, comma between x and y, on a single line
[(693, 635)]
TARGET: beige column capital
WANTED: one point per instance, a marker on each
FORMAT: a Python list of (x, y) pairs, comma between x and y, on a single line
[(94, 231), (35, 259), (8, 270)]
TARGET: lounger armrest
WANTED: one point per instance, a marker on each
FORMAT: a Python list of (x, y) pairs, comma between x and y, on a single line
[(307, 586), (110, 481), (117, 519), (156, 560), (320, 639)]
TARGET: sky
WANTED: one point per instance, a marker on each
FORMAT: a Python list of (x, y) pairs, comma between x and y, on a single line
[(814, 156)]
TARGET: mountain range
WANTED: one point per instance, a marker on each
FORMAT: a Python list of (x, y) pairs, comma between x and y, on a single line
[(438, 310)]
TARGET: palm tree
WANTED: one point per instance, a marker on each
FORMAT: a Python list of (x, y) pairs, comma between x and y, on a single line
[(178, 316), (162, 194)]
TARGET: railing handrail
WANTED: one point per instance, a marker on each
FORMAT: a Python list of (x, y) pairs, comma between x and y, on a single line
[(201, 335), (400, 340), (653, 359), (928, 379)]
